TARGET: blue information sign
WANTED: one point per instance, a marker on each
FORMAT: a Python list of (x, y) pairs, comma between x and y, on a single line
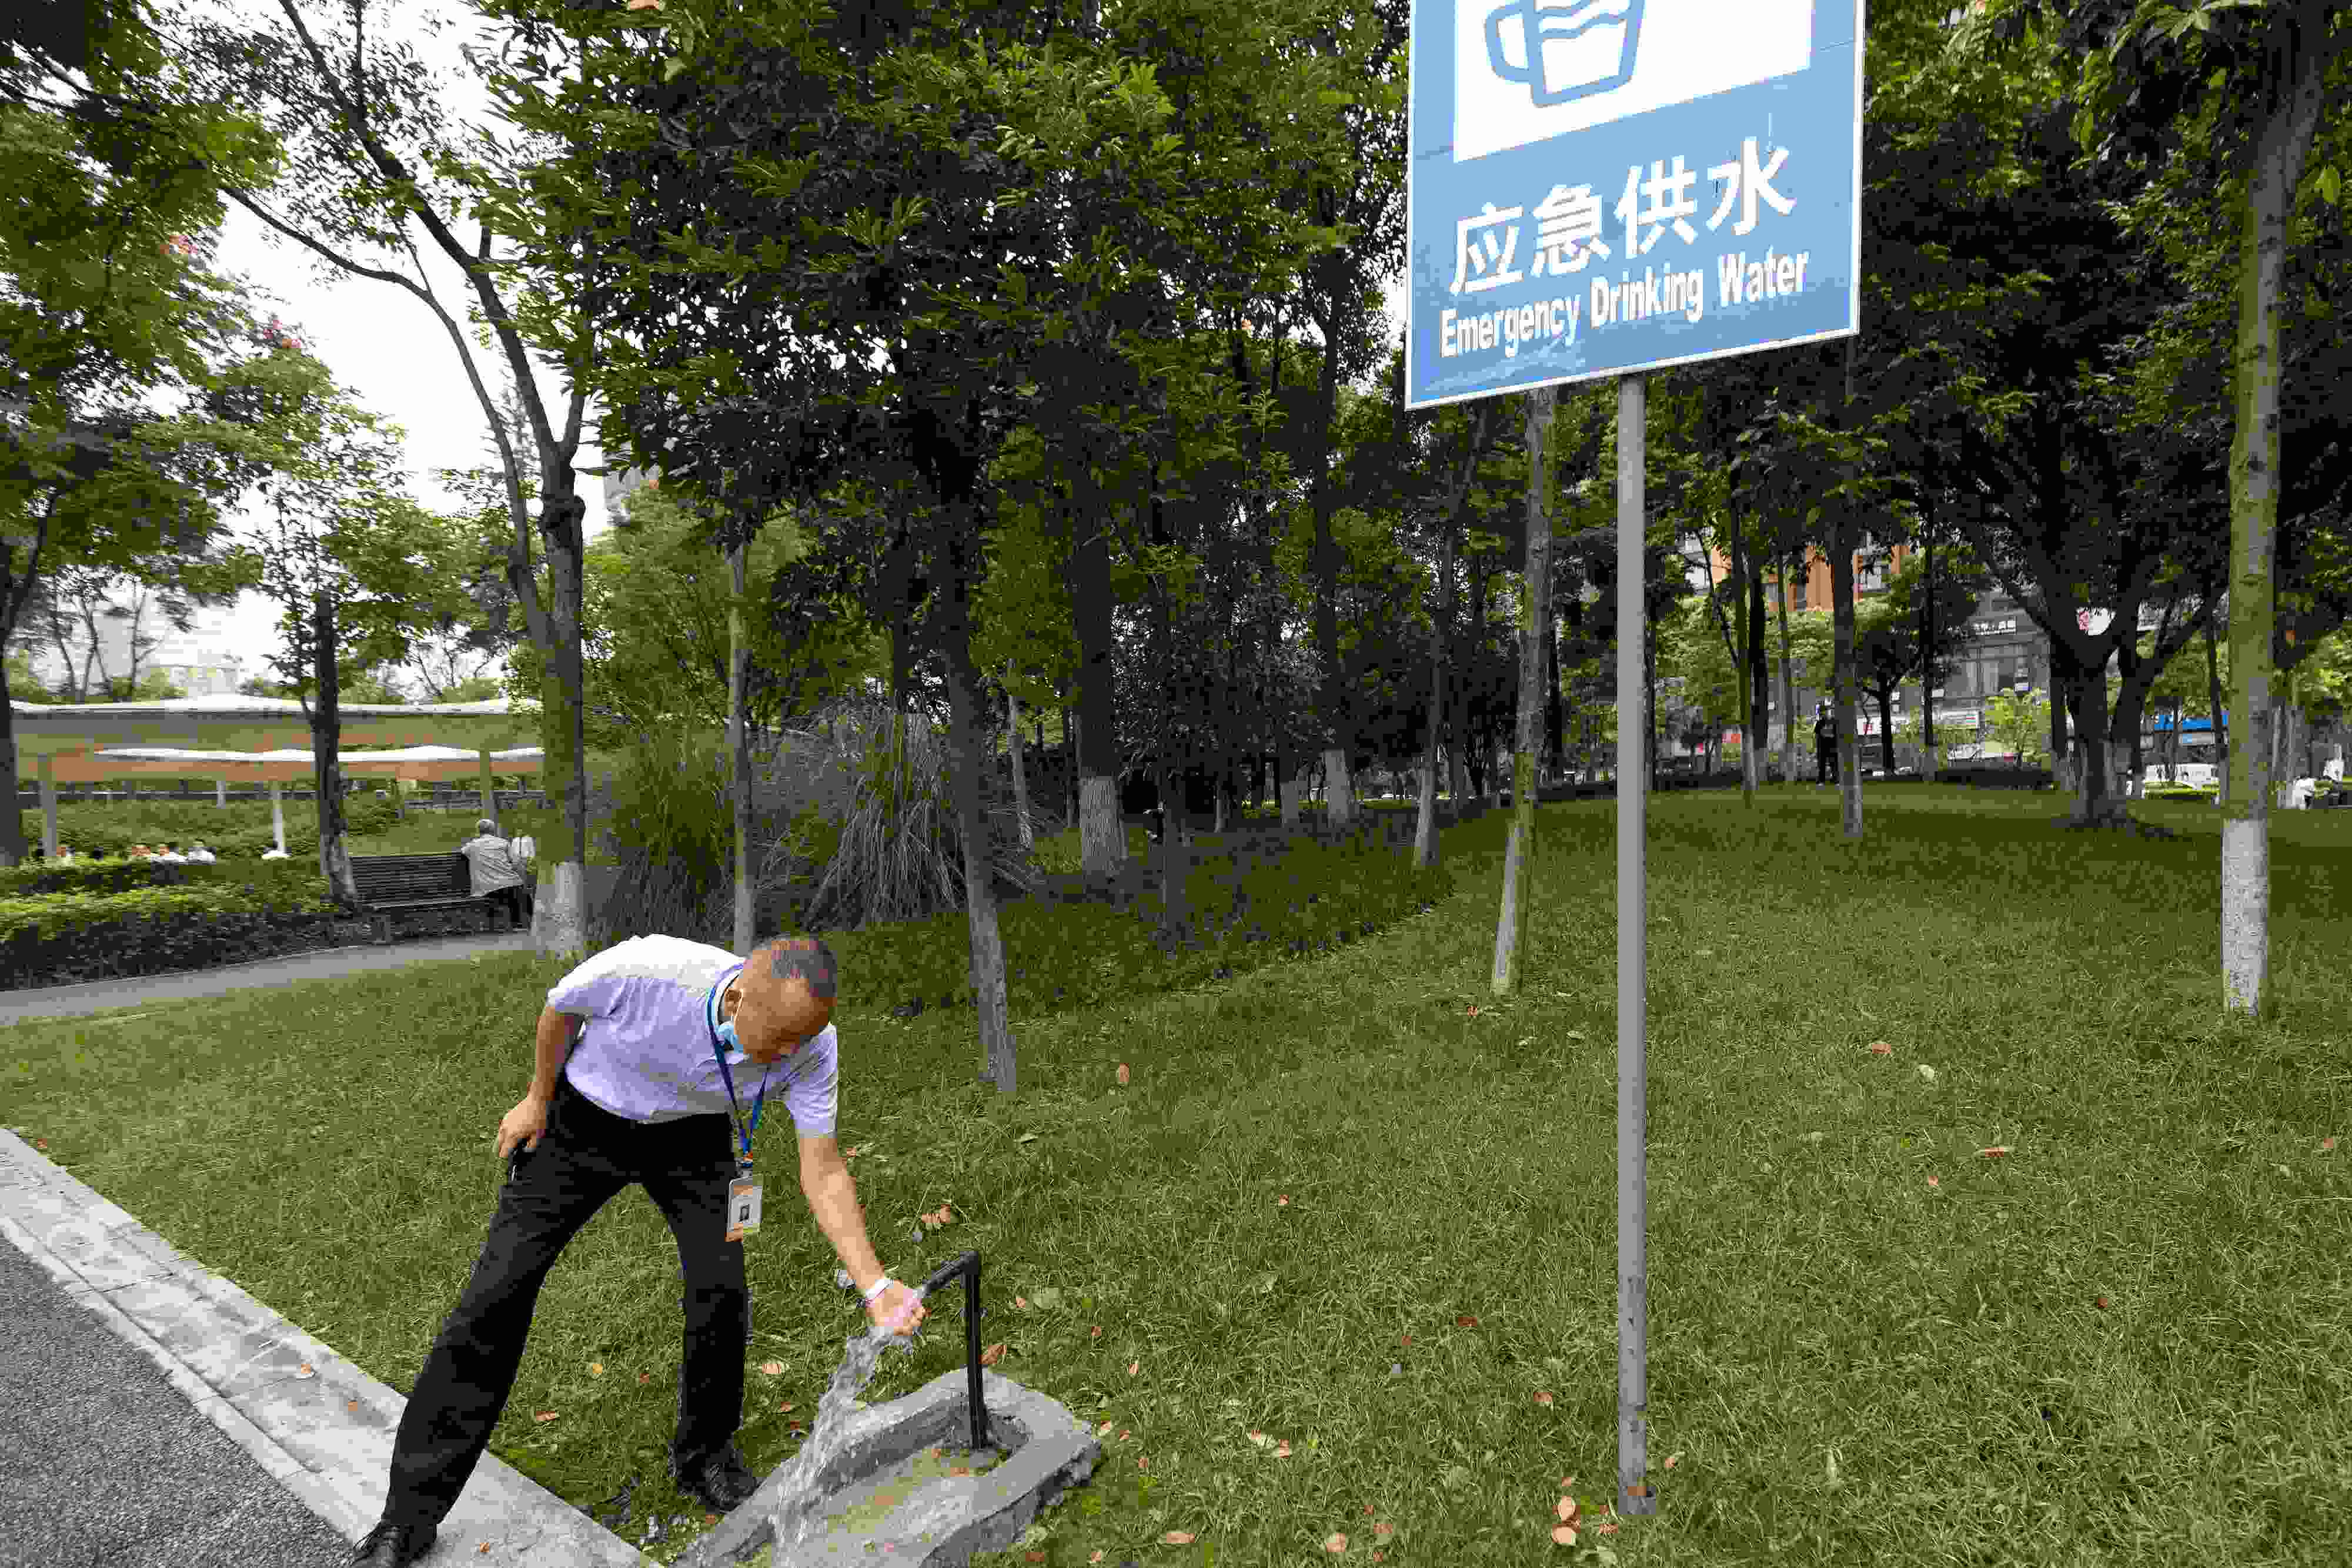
[(1597, 187)]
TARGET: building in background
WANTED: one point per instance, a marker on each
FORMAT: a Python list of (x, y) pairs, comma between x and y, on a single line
[(202, 661), (2003, 651), (619, 486)]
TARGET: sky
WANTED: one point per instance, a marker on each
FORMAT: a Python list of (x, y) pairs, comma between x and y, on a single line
[(380, 341)]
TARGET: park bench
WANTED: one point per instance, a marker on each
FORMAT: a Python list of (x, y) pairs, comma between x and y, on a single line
[(391, 884)]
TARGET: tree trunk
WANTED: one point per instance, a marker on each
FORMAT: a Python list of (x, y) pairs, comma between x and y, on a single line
[(1849, 751), (1334, 707), (1535, 617), (2277, 168), (2062, 665), (1020, 773), (1650, 686), (1555, 744), (1928, 655), (1425, 833), (1102, 841), (325, 758), (561, 914), (1787, 686), (2097, 800), (2213, 696), (966, 740), (739, 746)]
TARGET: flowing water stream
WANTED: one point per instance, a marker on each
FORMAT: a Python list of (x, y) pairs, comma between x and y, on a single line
[(796, 1493)]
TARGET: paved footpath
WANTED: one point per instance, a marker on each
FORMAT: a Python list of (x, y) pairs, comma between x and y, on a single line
[(155, 1416)]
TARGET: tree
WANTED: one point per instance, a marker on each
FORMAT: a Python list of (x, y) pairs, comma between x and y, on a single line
[(1534, 619), (350, 561), (659, 602), (1887, 647), (2017, 726), (353, 186), (2148, 68), (101, 305)]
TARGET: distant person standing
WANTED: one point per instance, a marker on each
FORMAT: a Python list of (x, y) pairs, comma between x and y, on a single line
[(1824, 745), (495, 877)]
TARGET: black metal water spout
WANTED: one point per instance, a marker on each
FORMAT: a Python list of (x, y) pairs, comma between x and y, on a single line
[(968, 1265)]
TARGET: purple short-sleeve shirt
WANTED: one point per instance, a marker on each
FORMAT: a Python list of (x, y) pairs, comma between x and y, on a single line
[(646, 1050)]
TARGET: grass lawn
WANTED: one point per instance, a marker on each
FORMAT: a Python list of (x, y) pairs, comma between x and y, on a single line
[(1334, 1271)]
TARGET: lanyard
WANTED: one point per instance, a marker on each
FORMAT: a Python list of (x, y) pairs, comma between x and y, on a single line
[(735, 1112)]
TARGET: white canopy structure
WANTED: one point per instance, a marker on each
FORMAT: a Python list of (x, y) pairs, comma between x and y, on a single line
[(254, 739)]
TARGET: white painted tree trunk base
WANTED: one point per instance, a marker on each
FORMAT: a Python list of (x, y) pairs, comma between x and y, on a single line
[(559, 916), (2245, 914), (1339, 796)]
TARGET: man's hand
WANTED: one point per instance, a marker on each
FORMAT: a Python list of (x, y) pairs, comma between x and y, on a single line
[(897, 1308)]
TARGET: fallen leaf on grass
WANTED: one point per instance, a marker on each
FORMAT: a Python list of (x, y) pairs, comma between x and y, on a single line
[(1564, 1534), (1282, 1202), (767, 1369), (1335, 1544), (2101, 1303), (1173, 1537), (1933, 1182), (1098, 1334), (597, 1369), (1466, 1322), (993, 1354), (1474, 1009), (1542, 1397), (1565, 1509), (2327, 1142), (644, 1378), (1131, 1366), (1993, 1153), (1880, 1047), (785, 1407), (1405, 1339), (544, 1415), (1122, 1073), (936, 1217), (1604, 1527), (1670, 1462)]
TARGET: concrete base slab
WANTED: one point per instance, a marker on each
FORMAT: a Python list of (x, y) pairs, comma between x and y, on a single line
[(889, 1498)]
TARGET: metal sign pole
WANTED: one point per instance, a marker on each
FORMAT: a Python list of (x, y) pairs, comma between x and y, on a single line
[(1633, 1494)]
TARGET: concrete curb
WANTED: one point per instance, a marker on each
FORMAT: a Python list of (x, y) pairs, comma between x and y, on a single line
[(319, 1425)]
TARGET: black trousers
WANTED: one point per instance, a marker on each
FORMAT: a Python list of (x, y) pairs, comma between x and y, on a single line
[(586, 1157), (1825, 765), (510, 899)]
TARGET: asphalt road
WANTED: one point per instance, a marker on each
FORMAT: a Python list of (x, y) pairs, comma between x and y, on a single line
[(103, 1464)]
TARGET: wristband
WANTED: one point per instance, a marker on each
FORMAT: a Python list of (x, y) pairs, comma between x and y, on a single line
[(880, 1285)]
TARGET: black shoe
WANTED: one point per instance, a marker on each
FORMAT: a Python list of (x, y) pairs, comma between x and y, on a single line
[(721, 1482), (393, 1546)]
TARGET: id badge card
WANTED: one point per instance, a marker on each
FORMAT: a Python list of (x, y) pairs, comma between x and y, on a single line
[(742, 1207)]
